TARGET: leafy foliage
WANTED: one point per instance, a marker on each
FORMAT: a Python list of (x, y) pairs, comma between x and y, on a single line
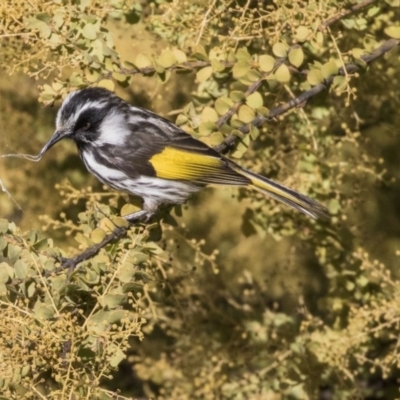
[(209, 305)]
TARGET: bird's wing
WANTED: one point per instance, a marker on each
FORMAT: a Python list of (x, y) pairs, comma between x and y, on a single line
[(164, 150), (186, 158)]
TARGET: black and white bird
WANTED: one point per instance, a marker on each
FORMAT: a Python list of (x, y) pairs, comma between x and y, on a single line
[(136, 151)]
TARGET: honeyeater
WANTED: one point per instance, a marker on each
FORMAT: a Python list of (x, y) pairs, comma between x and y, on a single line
[(134, 150)]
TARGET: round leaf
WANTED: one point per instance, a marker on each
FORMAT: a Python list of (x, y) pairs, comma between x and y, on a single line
[(204, 73), (254, 100), (393, 31), (89, 31), (209, 114), (282, 74), (296, 57), (302, 32), (107, 83), (222, 105), (97, 235), (246, 114), (166, 59), (315, 77), (329, 69), (240, 69), (280, 49), (142, 61), (266, 63)]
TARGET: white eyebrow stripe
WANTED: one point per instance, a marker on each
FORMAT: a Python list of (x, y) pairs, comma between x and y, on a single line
[(74, 116)]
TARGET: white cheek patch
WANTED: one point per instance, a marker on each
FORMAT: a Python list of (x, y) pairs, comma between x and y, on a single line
[(113, 130)]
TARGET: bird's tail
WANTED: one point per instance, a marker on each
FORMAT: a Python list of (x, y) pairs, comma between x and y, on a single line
[(283, 194)]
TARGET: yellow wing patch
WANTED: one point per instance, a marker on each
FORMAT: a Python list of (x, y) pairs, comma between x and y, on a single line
[(179, 164)]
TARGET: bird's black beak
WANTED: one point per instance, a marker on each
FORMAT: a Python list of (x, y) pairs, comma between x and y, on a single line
[(57, 136)]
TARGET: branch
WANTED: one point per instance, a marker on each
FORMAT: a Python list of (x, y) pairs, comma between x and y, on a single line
[(71, 263)]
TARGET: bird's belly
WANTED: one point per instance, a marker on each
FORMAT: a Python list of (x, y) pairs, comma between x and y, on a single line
[(153, 190)]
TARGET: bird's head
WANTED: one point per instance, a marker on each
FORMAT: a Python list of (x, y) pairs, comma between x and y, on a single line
[(90, 116)]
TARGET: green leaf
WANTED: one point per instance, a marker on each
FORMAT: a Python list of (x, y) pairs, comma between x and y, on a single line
[(180, 56), (243, 54), (328, 69), (100, 321), (246, 114), (357, 52), (393, 3), (280, 49), (107, 84), (118, 356), (41, 26), (20, 269), (374, 10), (217, 65), (339, 83), (112, 301), (167, 59), (266, 63), (314, 77), (282, 74), (206, 127), (3, 291), (200, 53), (240, 69), (13, 252), (222, 105), (5, 270), (237, 96), (302, 33), (254, 100), (213, 139), (209, 114), (43, 311), (143, 61), (334, 206), (204, 73), (3, 225), (296, 57), (127, 272), (393, 31), (97, 235), (254, 132), (120, 77), (89, 31)]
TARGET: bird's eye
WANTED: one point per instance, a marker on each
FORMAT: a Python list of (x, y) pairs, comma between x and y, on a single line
[(86, 126)]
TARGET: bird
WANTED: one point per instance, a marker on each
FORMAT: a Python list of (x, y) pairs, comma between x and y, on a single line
[(139, 152)]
